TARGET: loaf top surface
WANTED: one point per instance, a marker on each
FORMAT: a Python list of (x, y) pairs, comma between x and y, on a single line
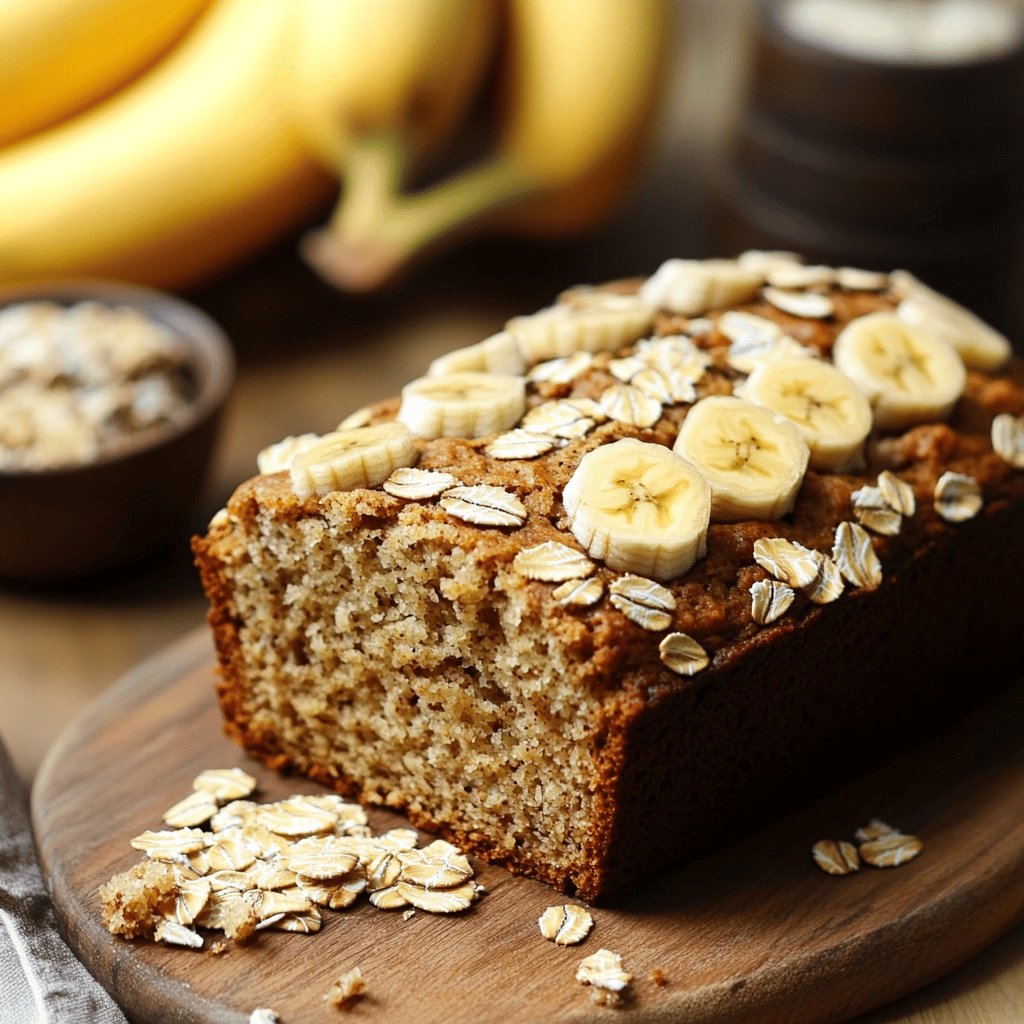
[(594, 347)]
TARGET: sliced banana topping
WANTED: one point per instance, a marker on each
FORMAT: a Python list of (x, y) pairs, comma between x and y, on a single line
[(793, 277), (496, 354), (908, 374), (640, 508), (465, 404), (828, 409), (278, 457), (809, 305), (854, 279), (600, 323), (980, 346), (346, 459), (693, 287), (765, 260), (753, 458)]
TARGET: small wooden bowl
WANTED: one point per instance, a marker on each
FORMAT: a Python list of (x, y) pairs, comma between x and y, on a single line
[(78, 520)]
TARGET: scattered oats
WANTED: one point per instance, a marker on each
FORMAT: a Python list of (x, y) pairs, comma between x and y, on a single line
[(383, 870), (1008, 439), (236, 813), (748, 328), (627, 404), (603, 969), (319, 858), (874, 829), (389, 898), (230, 913), (682, 654), (239, 881), (437, 866), (699, 327), (419, 484), (626, 369), (890, 851), (261, 1015), (643, 601), (189, 901), (561, 371), (276, 458), (336, 893), (196, 809), (263, 841), (675, 352), (871, 510), (175, 934), (803, 304), (231, 852), (349, 986), (567, 925), (357, 419), (217, 947), (788, 561), (835, 858), (170, 846), (957, 497), (562, 418), (552, 562), (792, 276), (855, 556), (897, 493), (296, 817), (399, 838), (828, 587), (769, 600), (855, 280), (407, 915), (268, 874), (484, 505), (306, 922), (225, 784), (438, 901), (520, 444), (580, 593), (266, 903)]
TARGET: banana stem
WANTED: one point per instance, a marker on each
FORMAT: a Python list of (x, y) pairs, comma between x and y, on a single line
[(377, 229)]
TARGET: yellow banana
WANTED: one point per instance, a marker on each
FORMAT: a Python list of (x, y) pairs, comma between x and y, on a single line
[(185, 170), (580, 80), (380, 82), (58, 56), (407, 67)]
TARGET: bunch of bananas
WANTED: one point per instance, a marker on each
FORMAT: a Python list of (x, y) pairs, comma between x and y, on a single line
[(160, 142)]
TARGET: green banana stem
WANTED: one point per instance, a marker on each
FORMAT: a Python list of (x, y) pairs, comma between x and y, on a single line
[(377, 229)]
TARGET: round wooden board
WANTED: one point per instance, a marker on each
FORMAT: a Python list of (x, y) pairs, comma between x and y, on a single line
[(753, 935)]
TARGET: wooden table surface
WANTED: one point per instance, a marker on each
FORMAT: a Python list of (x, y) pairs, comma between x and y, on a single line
[(307, 357)]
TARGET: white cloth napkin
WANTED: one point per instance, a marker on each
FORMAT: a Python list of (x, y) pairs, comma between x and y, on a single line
[(41, 982)]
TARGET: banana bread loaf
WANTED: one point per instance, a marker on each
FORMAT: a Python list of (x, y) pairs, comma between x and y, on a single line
[(643, 568)]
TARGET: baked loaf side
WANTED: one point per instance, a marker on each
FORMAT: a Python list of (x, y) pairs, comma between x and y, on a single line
[(524, 663)]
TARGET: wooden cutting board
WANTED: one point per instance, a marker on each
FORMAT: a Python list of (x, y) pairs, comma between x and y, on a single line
[(753, 935)]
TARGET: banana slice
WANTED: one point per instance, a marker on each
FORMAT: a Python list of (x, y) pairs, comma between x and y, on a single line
[(908, 374), (640, 508), (593, 321), (981, 347), (826, 407), (693, 287), (464, 404), (754, 459), (496, 354), (346, 459)]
